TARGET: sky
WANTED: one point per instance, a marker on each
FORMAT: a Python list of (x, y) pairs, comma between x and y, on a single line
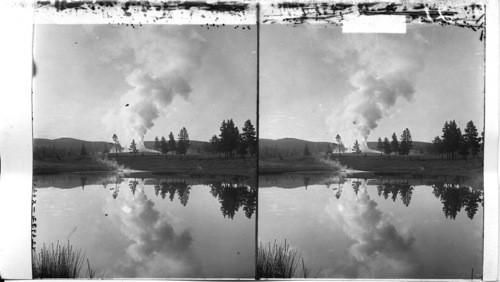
[(170, 76), (317, 82)]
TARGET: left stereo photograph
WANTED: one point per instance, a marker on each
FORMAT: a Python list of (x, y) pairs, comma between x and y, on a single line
[(144, 151)]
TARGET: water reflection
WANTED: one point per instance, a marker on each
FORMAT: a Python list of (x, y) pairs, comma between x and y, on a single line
[(233, 196), (129, 228), (454, 196), (379, 227), (381, 249), (155, 248), (232, 193)]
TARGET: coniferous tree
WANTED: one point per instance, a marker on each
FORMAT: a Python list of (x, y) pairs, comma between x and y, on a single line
[(164, 145), (250, 138), (380, 145), (157, 145), (437, 144), (339, 142), (472, 139), (133, 147), (451, 138), (394, 144), (356, 148), (463, 147), (242, 146), (215, 144), (182, 142), (117, 143), (406, 143), (172, 146), (387, 146)]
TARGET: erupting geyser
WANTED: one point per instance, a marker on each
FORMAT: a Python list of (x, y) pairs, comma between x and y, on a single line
[(161, 63), (382, 70)]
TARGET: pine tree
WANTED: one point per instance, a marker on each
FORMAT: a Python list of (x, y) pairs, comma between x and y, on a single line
[(117, 143), (182, 142), (242, 146), (214, 144), (380, 146), (463, 147), (394, 144), (437, 144), (157, 145), (387, 146), (406, 143), (339, 142), (249, 137), (164, 145), (172, 146), (133, 147), (451, 138), (356, 148), (471, 139)]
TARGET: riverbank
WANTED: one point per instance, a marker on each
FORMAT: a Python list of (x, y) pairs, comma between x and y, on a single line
[(419, 165), (156, 164)]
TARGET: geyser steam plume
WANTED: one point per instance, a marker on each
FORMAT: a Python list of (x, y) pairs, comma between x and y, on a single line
[(160, 61), (381, 70)]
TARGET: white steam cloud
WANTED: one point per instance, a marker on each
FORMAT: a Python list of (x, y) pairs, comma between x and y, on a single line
[(380, 249), (382, 69), (160, 62), (156, 249)]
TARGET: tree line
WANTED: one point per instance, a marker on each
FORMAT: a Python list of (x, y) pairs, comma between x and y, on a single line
[(230, 142), (179, 147), (402, 147), (453, 143)]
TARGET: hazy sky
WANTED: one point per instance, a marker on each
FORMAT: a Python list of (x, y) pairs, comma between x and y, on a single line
[(171, 77), (317, 82)]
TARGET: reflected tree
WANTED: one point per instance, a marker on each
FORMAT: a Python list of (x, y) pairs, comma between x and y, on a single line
[(133, 185), (232, 196), (355, 186), (454, 198)]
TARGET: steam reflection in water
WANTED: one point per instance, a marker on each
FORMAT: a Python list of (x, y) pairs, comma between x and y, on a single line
[(169, 227), (375, 228)]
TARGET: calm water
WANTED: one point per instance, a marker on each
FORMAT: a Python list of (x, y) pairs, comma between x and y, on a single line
[(375, 228), (133, 227)]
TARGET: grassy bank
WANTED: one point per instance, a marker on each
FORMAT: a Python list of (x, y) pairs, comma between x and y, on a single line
[(157, 164), (279, 261), (60, 261), (425, 164)]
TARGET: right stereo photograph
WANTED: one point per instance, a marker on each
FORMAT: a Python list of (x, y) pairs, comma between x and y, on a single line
[(371, 144)]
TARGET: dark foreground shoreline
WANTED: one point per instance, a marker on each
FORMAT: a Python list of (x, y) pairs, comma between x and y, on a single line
[(381, 165), (154, 164)]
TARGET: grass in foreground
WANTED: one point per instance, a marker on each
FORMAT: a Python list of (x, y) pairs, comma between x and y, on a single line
[(60, 262), (279, 261)]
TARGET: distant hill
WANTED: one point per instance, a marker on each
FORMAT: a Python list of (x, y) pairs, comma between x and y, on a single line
[(75, 145), (290, 144), (297, 145), (193, 145)]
